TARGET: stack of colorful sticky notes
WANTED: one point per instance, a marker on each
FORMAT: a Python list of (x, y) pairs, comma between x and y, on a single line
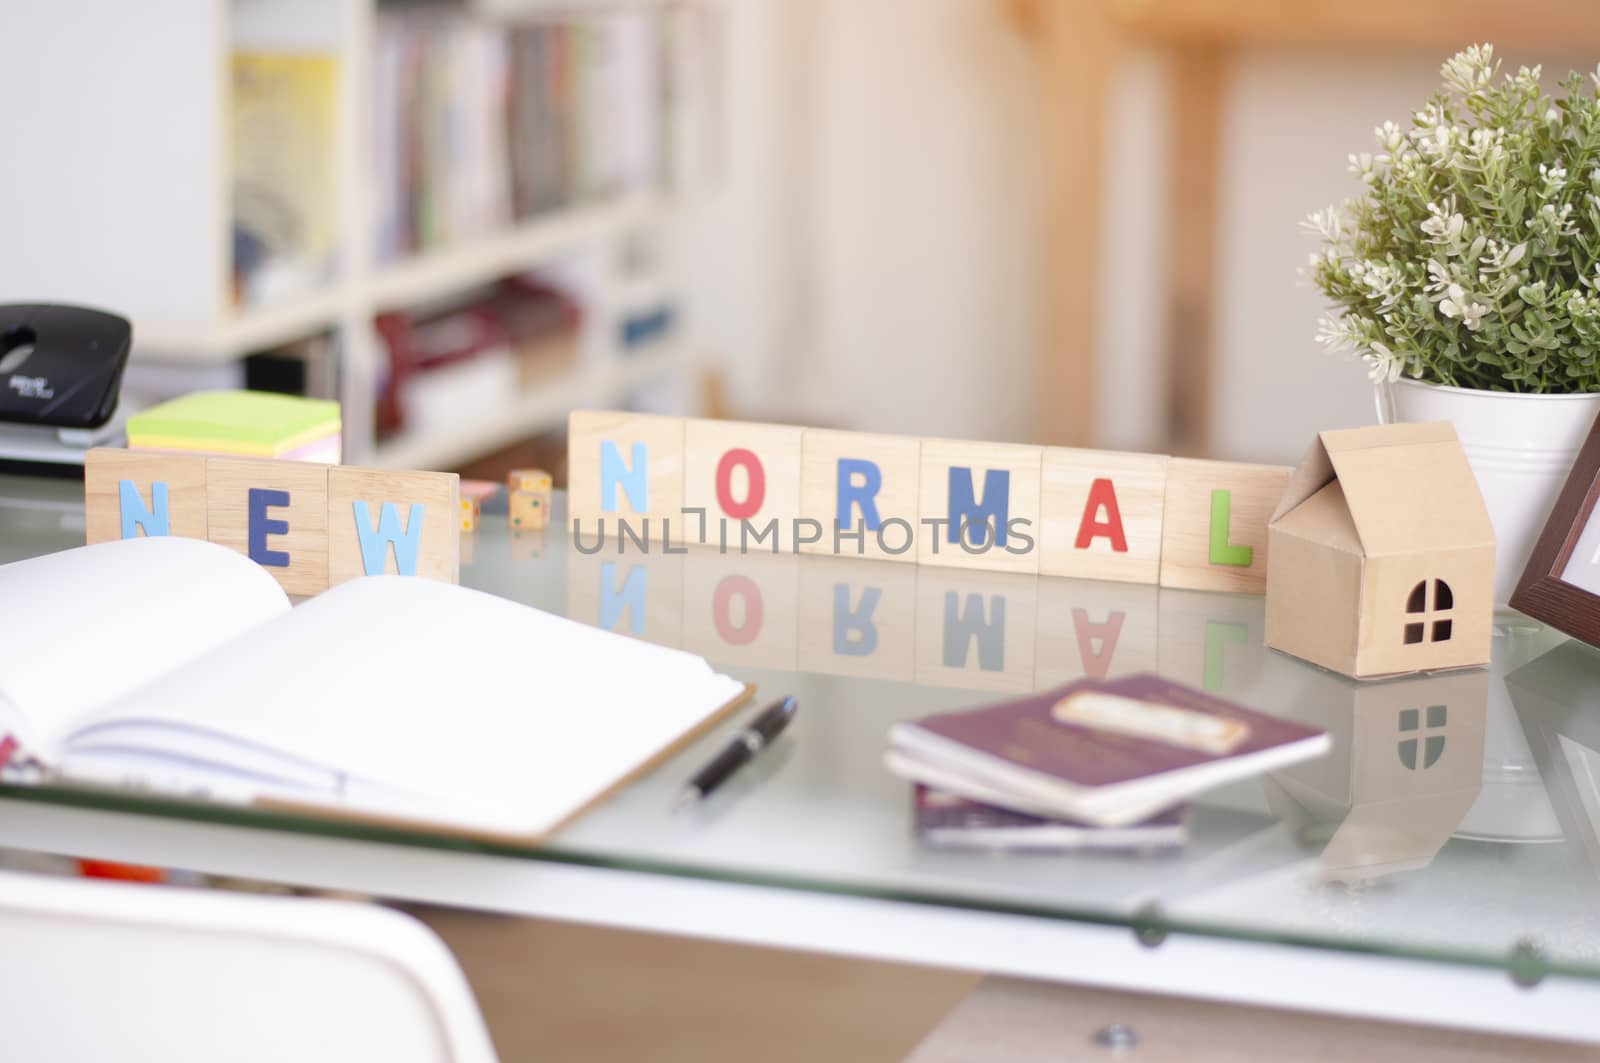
[(257, 424)]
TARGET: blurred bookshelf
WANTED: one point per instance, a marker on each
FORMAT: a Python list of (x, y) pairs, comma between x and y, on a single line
[(265, 182)]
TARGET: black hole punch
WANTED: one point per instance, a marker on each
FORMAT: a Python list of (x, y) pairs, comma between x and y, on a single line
[(1413, 634), (1441, 631), (16, 346), (1416, 603), (1442, 598)]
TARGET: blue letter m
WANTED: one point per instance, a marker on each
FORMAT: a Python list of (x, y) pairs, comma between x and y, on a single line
[(966, 510)]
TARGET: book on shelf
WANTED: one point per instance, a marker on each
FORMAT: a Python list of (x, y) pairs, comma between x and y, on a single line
[(1107, 752), (477, 124), (177, 668), (285, 126), (948, 821)]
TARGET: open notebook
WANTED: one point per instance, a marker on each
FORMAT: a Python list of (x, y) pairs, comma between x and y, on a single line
[(177, 666)]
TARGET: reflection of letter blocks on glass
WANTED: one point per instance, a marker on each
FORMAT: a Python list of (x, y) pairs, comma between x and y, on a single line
[(469, 514), (530, 510)]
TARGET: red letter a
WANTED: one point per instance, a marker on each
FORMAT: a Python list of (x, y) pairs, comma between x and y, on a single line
[(1102, 493)]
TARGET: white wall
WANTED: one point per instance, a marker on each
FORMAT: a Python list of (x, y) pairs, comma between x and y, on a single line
[(872, 262)]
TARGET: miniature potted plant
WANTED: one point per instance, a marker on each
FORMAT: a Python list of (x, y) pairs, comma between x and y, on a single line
[(1467, 276)]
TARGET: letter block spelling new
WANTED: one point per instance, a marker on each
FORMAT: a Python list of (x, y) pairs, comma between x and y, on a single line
[(130, 492), (306, 523), (275, 513), (401, 523)]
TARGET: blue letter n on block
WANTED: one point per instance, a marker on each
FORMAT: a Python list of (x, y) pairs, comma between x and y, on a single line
[(635, 482), (375, 543), (135, 517), (965, 510)]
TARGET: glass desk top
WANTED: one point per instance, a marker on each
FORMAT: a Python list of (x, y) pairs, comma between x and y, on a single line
[(1471, 836)]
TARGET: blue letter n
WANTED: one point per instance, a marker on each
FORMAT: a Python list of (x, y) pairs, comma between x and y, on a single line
[(636, 482), (135, 517)]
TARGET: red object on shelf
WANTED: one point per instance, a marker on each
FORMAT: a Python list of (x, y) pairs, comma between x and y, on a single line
[(120, 872)]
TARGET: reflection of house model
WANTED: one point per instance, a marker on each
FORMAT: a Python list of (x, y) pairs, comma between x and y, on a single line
[(1380, 556), (1407, 764)]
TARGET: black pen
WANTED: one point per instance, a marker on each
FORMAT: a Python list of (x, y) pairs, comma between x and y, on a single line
[(745, 745)]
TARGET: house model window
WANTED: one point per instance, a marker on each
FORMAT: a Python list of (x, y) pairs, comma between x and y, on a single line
[(1429, 618)]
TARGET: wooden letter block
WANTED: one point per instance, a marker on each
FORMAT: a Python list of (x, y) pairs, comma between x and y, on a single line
[(858, 618), (404, 523), (982, 487), (861, 483), (747, 479), (529, 480), (529, 510), (625, 466), (141, 492), (975, 630), (1215, 525), (1102, 514), (276, 514)]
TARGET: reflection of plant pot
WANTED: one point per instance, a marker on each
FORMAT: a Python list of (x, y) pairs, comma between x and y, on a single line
[(1521, 448)]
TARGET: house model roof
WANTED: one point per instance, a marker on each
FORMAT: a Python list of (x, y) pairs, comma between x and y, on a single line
[(1405, 488)]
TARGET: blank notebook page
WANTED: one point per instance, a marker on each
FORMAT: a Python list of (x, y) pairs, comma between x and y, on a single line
[(84, 626), (495, 713)]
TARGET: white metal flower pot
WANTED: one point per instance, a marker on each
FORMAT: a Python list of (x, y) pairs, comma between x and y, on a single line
[(1521, 448)]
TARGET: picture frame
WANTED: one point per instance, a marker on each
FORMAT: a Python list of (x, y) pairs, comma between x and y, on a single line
[(1551, 588)]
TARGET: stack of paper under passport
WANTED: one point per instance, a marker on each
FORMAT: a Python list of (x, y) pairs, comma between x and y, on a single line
[(255, 424), (1106, 754)]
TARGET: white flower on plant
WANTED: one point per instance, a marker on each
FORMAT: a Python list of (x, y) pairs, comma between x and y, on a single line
[(1471, 71), (1445, 223), (1555, 178), (1389, 137), (1456, 304), (1323, 223), (1381, 362), (1361, 166)]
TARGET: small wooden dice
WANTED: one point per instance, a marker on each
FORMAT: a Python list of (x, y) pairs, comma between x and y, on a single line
[(536, 481), (473, 492), (530, 498)]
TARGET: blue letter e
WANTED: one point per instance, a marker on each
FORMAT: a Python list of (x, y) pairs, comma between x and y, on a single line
[(260, 526), (375, 544)]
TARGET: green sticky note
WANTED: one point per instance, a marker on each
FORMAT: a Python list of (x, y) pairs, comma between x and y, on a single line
[(253, 422)]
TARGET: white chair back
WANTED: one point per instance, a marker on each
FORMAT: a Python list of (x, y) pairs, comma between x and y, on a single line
[(134, 973)]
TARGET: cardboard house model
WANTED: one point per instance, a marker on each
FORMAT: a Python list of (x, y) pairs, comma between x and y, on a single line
[(1380, 556)]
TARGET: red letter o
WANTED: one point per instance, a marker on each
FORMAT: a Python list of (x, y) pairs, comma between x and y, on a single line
[(754, 496)]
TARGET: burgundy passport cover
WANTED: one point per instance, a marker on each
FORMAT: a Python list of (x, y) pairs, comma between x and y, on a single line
[(1025, 733)]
